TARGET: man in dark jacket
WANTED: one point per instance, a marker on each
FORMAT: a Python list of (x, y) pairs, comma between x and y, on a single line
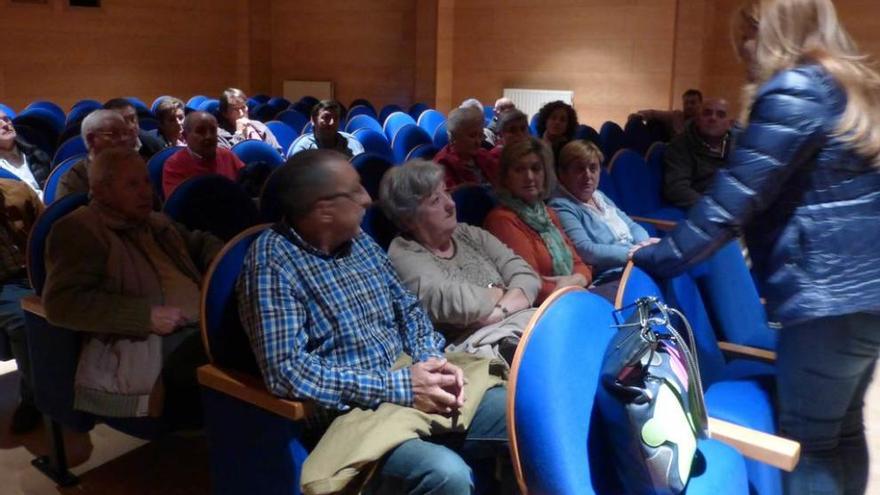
[(693, 157)]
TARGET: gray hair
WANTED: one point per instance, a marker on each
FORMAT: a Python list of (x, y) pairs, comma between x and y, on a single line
[(95, 121), (303, 180), (472, 103), (403, 188), (510, 117), (167, 106), (462, 117), (104, 166), (190, 120)]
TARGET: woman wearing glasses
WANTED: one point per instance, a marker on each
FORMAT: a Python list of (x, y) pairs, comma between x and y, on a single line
[(803, 182)]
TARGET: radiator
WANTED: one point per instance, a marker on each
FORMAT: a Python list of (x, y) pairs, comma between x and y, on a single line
[(531, 100)]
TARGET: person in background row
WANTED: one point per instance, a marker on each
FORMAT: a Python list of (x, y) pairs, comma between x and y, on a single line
[(201, 156), (145, 143), (19, 208), (488, 136), (502, 105), (234, 125), (170, 113), (463, 159), (24, 160), (693, 157), (527, 225), (128, 278), (326, 134), (475, 289), (674, 121), (101, 130), (803, 183), (557, 123), (603, 235), (513, 127)]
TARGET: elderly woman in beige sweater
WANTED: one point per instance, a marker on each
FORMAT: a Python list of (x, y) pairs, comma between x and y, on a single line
[(478, 293)]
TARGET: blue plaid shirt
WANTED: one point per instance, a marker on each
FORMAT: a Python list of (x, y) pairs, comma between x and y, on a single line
[(329, 327)]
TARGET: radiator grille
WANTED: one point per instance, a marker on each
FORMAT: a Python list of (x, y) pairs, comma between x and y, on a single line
[(531, 100)]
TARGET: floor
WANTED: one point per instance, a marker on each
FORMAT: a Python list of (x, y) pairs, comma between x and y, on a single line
[(109, 462)]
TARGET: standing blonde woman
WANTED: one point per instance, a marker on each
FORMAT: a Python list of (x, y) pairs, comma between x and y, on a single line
[(804, 184)]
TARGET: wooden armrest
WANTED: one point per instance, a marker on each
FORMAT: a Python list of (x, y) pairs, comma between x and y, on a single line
[(776, 451), (656, 222), (33, 304), (747, 351), (251, 389)]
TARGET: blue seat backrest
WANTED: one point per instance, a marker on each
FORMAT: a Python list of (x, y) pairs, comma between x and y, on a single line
[(210, 105), (362, 121), (148, 124), (472, 203), (488, 114), (8, 111), (6, 174), (155, 166), (386, 111), (253, 150), (557, 440), (294, 119), (634, 283), (633, 184), (282, 132), (636, 136), (423, 151), (440, 137), (416, 110), (42, 119), (429, 120), (59, 117), (362, 102), (214, 204), (607, 186), (356, 110), (50, 189), (533, 125), (611, 136), (378, 226), (371, 167), (196, 101), (222, 333), (407, 138), (79, 111), (587, 133), (374, 142), (654, 161), (36, 248), (394, 123)]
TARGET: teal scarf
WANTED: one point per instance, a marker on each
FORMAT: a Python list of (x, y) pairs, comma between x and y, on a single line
[(537, 217)]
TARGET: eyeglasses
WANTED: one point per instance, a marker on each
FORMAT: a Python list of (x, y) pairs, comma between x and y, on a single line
[(721, 114)]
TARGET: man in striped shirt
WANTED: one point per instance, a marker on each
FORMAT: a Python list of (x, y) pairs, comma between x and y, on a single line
[(327, 318)]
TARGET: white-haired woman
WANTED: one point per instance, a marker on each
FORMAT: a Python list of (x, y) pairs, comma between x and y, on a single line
[(476, 290), (804, 183), (464, 159)]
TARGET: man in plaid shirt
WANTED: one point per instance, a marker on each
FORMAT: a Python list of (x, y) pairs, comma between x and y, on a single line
[(327, 318)]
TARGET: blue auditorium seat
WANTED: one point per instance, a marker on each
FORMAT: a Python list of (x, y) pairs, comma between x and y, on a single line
[(356, 110), (472, 203), (423, 151), (254, 437), (196, 101), (214, 204), (309, 101), (378, 226), (440, 137), (394, 122), (408, 137), (587, 133), (558, 443), (73, 146), (50, 189), (79, 111), (278, 102), (362, 121), (6, 174), (388, 110), (371, 167), (416, 110), (638, 194), (157, 101), (261, 98), (254, 150), (156, 164), (488, 114), (210, 105), (741, 394), (139, 105), (59, 116), (296, 120), (262, 112), (283, 133), (148, 123), (611, 136), (637, 137), (362, 102), (533, 125), (374, 142), (654, 162), (8, 111), (430, 119)]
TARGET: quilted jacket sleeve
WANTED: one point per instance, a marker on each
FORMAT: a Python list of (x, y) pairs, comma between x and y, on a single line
[(788, 125)]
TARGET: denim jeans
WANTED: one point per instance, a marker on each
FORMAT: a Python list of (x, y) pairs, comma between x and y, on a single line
[(12, 323), (824, 367), (443, 464)]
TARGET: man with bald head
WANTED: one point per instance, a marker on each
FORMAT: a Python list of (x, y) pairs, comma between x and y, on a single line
[(201, 155), (502, 105), (693, 157), (101, 129)]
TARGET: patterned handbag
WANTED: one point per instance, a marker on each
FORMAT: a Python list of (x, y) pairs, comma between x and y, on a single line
[(651, 400)]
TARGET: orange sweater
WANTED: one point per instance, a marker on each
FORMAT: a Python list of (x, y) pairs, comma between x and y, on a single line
[(506, 225)]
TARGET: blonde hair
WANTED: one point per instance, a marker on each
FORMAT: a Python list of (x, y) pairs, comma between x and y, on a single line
[(578, 150), (511, 153), (794, 32)]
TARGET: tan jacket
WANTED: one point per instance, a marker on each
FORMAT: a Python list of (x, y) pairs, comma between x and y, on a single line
[(99, 280)]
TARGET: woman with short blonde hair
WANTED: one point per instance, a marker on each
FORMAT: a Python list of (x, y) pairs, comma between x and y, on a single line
[(804, 184)]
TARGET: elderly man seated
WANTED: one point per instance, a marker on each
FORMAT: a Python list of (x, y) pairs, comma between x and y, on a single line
[(24, 160), (326, 134), (502, 106), (692, 158), (235, 126), (201, 155), (328, 317), (101, 130), (128, 278)]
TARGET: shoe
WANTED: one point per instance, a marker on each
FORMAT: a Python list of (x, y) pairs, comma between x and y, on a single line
[(26, 418)]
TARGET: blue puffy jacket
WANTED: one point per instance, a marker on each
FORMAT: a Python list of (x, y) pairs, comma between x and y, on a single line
[(808, 205)]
